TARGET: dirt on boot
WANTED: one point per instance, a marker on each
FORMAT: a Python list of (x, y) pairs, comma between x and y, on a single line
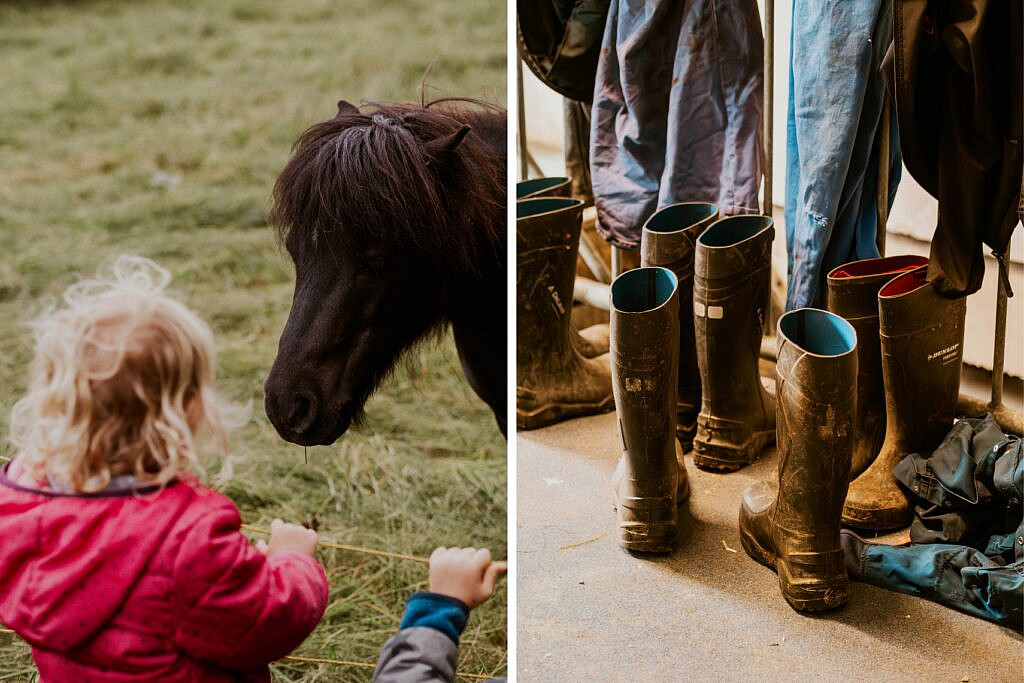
[(669, 239), (792, 524)]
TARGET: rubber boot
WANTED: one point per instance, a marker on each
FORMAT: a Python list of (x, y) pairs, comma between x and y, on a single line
[(792, 524), (554, 381), (649, 481), (544, 187), (922, 338), (669, 239), (732, 272), (591, 341), (853, 294)]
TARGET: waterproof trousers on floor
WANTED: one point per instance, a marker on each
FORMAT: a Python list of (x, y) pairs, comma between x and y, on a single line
[(967, 538)]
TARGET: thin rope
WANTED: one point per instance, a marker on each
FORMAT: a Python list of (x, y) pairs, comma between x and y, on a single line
[(338, 662), (367, 665), (351, 548), (321, 660)]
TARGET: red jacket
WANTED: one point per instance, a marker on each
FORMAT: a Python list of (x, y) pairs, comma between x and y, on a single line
[(123, 586)]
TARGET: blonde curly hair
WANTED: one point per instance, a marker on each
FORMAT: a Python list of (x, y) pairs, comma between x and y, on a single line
[(121, 384)]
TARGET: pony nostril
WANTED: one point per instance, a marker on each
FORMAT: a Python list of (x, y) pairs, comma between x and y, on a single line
[(303, 412)]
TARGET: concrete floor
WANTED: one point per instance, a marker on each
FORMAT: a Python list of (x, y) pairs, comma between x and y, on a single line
[(588, 611)]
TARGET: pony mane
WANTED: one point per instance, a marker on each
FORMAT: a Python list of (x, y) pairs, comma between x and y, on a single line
[(368, 175)]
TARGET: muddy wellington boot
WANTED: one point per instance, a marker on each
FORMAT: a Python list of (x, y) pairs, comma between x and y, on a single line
[(792, 524), (731, 281), (853, 294), (593, 340), (649, 481), (669, 239), (554, 381), (559, 186), (922, 337)]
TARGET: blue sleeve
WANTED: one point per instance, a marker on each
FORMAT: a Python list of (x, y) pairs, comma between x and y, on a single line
[(439, 612)]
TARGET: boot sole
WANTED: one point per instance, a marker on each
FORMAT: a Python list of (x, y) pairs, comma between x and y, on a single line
[(551, 414), (806, 598), (642, 537), (724, 459), (652, 537)]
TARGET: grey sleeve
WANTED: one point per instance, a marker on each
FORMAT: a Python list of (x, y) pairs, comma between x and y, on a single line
[(417, 655)]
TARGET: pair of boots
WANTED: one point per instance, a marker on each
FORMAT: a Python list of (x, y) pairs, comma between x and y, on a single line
[(560, 372), (911, 347), (723, 269), (685, 341), (831, 419)]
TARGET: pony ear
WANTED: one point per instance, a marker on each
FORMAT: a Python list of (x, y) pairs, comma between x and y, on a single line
[(446, 144), (346, 108)]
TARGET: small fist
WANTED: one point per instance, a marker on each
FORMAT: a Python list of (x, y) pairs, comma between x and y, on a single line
[(284, 536), (464, 573)]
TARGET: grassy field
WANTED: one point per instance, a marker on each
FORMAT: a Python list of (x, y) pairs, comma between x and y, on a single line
[(157, 128)]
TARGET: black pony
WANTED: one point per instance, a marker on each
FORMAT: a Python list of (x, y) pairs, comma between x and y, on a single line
[(395, 219)]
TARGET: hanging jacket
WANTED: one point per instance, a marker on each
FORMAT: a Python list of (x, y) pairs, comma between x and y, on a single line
[(958, 81), (148, 584), (967, 537), (833, 127), (676, 111), (559, 41)]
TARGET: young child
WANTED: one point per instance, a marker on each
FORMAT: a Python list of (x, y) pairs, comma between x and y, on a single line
[(116, 564), (426, 646)]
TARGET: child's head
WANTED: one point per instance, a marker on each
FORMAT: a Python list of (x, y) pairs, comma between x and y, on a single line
[(121, 384)]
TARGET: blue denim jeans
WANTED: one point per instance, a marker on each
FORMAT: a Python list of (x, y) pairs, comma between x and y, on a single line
[(677, 111), (833, 123), (967, 538)]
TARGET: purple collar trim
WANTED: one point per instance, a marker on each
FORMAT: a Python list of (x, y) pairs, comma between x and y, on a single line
[(113, 493)]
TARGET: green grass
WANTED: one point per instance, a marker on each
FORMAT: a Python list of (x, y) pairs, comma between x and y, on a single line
[(99, 99)]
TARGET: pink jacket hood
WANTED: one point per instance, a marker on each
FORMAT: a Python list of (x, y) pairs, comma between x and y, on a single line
[(69, 562)]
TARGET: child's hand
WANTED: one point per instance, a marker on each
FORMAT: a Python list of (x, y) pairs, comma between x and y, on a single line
[(284, 536), (464, 573)]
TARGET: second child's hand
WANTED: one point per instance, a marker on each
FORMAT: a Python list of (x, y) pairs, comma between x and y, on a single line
[(467, 574)]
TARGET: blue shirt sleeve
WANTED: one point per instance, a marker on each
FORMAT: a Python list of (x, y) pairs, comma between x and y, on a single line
[(440, 612)]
